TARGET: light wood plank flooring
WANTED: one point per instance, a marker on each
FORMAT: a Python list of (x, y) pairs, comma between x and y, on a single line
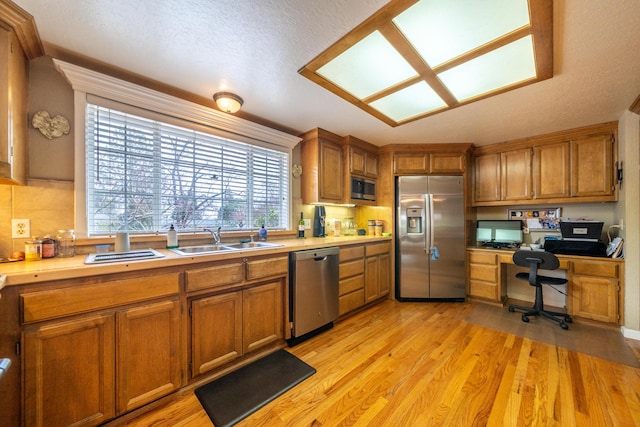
[(421, 364)]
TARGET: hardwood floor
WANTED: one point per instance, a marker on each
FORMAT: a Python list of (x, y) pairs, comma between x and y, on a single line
[(421, 364)]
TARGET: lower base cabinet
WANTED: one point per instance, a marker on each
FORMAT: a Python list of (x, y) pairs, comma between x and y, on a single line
[(228, 325), (89, 370)]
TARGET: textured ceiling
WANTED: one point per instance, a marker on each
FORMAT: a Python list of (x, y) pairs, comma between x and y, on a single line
[(255, 47)]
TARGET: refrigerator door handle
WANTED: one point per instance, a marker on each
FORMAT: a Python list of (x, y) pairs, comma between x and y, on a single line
[(432, 222)]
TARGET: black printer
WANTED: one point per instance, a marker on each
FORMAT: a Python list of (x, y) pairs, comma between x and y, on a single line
[(578, 238)]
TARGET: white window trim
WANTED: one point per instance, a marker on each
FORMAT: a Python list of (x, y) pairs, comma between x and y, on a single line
[(84, 81)]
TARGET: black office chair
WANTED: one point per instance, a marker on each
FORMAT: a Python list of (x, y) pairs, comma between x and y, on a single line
[(539, 260)]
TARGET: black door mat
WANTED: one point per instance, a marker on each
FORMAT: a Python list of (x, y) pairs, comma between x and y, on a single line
[(235, 396)]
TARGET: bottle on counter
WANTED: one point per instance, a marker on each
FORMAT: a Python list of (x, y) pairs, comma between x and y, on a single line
[(262, 234), (301, 227), (33, 249), (66, 243), (172, 238), (48, 247)]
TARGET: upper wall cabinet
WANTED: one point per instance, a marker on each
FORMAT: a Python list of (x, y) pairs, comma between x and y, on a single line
[(19, 42), (322, 179), (417, 162), (362, 157), (567, 167)]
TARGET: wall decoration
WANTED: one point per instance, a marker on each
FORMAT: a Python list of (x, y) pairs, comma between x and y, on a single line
[(296, 171), (50, 127), (537, 219)]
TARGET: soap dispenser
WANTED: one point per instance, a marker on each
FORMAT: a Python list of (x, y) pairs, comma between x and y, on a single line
[(172, 238), (262, 234)]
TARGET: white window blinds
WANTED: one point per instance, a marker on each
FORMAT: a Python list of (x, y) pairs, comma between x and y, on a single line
[(144, 175)]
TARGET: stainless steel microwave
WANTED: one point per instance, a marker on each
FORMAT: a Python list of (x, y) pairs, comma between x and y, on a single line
[(362, 189)]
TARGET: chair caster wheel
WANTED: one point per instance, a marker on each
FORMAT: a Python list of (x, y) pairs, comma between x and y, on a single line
[(568, 319), (525, 319), (564, 326), (511, 310)]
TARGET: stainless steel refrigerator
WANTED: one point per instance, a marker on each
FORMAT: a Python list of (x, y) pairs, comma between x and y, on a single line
[(430, 243)]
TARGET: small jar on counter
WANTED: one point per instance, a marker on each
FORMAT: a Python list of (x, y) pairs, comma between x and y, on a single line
[(48, 247), (33, 250), (66, 243)]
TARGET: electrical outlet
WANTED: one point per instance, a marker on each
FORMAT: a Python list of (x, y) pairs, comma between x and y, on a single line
[(20, 228), (307, 224)]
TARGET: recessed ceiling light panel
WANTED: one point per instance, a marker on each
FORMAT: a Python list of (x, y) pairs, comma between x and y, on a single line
[(495, 70), (441, 30), (409, 102), (368, 67)]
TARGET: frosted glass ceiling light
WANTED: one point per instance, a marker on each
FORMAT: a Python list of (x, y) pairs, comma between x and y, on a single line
[(415, 58), (228, 102)]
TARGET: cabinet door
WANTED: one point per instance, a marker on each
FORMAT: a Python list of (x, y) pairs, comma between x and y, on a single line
[(592, 166), (263, 315), (595, 298), (371, 279), (216, 331), (371, 165), (69, 373), (551, 177), (515, 174), (330, 179), (446, 163), (358, 163), (486, 174), (410, 162), (148, 364), (384, 274)]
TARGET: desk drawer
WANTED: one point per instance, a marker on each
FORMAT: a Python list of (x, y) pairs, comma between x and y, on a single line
[(482, 258), (486, 273), (595, 268)]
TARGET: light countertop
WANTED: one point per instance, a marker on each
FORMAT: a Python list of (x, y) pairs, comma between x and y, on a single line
[(26, 272)]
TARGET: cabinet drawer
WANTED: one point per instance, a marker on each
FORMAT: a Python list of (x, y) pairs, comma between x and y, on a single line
[(351, 252), (351, 268), (57, 303), (351, 301), (599, 269), (267, 267), (483, 290), (211, 277), (487, 273), (378, 248), (482, 258), (351, 284)]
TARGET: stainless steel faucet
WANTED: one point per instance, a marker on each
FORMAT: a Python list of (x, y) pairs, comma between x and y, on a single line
[(215, 235)]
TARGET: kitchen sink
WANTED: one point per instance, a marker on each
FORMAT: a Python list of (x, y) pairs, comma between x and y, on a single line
[(202, 249), (252, 245)]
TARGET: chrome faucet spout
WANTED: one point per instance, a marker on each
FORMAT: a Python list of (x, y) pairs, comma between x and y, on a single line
[(215, 235)]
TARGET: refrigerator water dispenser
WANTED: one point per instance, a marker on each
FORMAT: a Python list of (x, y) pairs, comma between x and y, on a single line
[(414, 220)]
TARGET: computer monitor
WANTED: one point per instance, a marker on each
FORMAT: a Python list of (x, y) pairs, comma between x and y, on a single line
[(499, 233)]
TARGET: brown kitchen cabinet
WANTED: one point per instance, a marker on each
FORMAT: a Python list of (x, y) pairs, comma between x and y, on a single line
[(574, 166), (551, 171), (351, 279), (19, 42), (377, 271), (595, 291), (592, 172), (87, 360), (484, 275), (362, 162), (322, 178), (69, 372), (247, 309), (429, 163)]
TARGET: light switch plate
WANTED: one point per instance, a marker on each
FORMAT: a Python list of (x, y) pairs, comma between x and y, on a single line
[(307, 224), (20, 228)]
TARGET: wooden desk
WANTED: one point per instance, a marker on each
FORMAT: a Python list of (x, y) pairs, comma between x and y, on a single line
[(595, 288)]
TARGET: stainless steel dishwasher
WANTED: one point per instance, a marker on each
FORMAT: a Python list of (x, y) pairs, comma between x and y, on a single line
[(313, 303)]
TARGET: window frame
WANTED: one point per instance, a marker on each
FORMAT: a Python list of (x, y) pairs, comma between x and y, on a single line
[(87, 82)]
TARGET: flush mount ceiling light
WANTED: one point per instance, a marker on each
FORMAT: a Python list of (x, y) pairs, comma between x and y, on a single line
[(228, 102), (416, 58)]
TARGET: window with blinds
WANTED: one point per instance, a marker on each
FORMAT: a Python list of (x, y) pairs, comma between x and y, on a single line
[(144, 175)]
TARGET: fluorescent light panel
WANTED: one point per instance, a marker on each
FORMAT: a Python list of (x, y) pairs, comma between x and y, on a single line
[(414, 58)]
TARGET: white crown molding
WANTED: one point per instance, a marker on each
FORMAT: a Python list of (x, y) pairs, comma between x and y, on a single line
[(88, 81)]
